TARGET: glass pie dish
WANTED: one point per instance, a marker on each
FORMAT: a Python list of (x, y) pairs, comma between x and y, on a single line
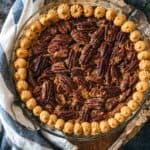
[(130, 13)]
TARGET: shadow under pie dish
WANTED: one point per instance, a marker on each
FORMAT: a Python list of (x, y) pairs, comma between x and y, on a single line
[(82, 69)]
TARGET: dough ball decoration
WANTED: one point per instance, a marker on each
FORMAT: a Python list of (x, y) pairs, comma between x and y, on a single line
[(119, 20), (135, 36), (78, 129), (88, 10), (36, 26), (20, 74), (140, 46), (37, 110), (95, 129), (128, 26), (65, 12), (120, 118), (111, 14), (31, 103), (52, 15), (99, 12), (76, 11)]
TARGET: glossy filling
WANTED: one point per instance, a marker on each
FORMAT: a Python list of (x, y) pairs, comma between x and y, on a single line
[(82, 69)]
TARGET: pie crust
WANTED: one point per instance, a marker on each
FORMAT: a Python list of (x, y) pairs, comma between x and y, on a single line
[(82, 125)]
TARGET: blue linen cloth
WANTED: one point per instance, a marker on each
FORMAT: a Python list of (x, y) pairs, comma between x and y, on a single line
[(14, 123)]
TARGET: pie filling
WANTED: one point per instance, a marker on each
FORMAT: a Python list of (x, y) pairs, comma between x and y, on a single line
[(82, 69)]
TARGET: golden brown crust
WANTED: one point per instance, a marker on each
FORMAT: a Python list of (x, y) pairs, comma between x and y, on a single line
[(76, 11), (99, 12), (63, 11), (128, 26), (119, 20)]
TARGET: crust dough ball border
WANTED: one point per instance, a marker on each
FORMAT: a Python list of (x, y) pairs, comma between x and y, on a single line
[(64, 12)]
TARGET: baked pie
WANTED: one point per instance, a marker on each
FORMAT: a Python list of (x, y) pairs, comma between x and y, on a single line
[(82, 69)]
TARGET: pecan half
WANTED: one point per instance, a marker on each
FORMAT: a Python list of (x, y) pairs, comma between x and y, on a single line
[(46, 75), (48, 93), (86, 26), (85, 113), (80, 37), (59, 67), (110, 104), (121, 37), (65, 84), (62, 39), (87, 53), (97, 37), (96, 115), (110, 33), (77, 71), (40, 63), (64, 27), (80, 81), (111, 91), (66, 114), (73, 57)]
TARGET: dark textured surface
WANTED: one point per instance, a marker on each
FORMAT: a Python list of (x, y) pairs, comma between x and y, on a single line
[(142, 139)]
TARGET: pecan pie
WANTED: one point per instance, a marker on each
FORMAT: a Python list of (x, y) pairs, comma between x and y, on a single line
[(82, 69)]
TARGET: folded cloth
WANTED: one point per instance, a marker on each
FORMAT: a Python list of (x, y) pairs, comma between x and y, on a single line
[(15, 126)]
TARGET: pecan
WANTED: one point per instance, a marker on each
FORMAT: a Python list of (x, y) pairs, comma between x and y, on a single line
[(62, 39), (110, 33), (105, 54), (121, 37), (125, 95), (48, 93), (86, 26), (111, 91), (60, 99), (80, 81), (52, 30), (97, 37), (129, 46), (105, 50), (92, 76), (40, 63), (132, 66), (96, 115), (95, 103), (73, 57), (65, 84), (102, 67), (95, 92), (133, 80), (59, 67), (85, 114), (46, 75), (31, 78), (110, 104), (124, 84), (66, 114), (117, 55), (62, 53), (64, 27), (115, 73), (77, 71), (87, 53), (80, 37), (36, 91), (39, 48)]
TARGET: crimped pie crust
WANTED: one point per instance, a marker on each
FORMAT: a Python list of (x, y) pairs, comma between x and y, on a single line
[(82, 127)]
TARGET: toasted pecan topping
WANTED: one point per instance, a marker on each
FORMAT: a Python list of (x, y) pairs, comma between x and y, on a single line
[(82, 68)]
